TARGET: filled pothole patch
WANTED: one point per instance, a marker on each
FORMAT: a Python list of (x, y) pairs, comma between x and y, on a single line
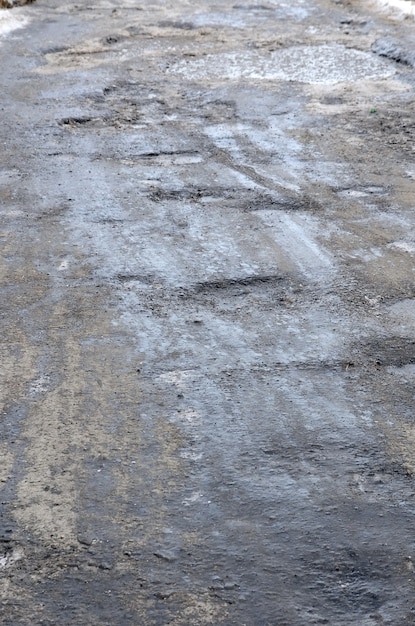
[(326, 64)]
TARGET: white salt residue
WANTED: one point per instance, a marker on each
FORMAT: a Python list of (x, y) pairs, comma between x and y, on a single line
[(10, 22), (325, 64)]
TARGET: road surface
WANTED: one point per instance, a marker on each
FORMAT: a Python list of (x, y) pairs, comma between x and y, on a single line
[(208, 315)]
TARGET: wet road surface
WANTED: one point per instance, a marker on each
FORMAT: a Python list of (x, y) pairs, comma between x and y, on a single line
[(208, 319)]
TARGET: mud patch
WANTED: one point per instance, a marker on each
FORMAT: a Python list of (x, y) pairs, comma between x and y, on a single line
[(387, 351), (382, 127), (120, 104), (197, 609)]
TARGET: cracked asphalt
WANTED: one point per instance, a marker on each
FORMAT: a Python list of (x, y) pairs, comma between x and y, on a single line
[(208, 314)]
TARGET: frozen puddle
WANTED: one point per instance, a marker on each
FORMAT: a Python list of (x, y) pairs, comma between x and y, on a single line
[(307, 64)]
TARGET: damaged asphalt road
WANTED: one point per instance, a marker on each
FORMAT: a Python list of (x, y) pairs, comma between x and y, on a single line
[(208, 319)]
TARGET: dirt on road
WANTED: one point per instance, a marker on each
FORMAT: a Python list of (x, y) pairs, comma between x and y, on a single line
[(208, 313)]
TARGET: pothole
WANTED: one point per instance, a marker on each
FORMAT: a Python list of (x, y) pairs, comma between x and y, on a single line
[(246, 281), (246, 200)]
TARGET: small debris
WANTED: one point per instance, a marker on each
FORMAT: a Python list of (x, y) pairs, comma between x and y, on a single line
[(166, 555), (85, 540)]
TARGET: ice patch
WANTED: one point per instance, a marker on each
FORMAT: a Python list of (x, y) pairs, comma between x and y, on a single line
[(10, 557), (296, 235), (407, 7), (10, 22), (326, 64), (405, 246), (403, 313)]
